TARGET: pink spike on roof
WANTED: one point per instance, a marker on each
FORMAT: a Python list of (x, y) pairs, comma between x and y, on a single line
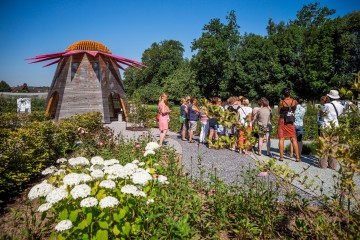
[(56, 61), (90, 47)]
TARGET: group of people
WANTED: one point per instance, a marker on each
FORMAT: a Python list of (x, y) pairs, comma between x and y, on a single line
[(290, 126), (211, 127)]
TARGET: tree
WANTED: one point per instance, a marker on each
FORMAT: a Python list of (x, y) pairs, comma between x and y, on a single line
[(161, 59), (4, 87), (216, 50), (181, 83)]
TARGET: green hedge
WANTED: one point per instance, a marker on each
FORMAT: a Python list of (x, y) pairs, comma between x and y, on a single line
[(31, 142), (8, 104)]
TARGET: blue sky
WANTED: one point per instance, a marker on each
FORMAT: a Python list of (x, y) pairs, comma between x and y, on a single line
[(127, 28)]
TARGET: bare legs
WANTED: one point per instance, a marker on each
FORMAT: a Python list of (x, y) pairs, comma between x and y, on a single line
[(162, 136), (213, 134), (260, 143), (293, 143)]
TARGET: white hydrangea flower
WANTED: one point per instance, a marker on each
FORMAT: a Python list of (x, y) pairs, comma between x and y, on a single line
[(63, 225), (131, 166), (129, 189), (147, 152), (72, 179), (141, 177), (150, 200), (63, 187), (108, 202), (141, 164), (79, 161), (40, 190), (139, 193), (89, 202), (44, 207), (49, 170), (59, 172), (111, 162), (152, 146), (97, 160), (80, 191), (97, 174), (56, 195), (85, 178), (110, 184), (135, 161), (113, 169), (61, 160), (162, 179), (112, 177)]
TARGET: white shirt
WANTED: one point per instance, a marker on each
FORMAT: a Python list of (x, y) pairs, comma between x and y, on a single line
[(330, 113), (244, 111)]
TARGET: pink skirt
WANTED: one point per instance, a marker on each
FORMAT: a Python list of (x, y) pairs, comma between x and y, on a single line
[(163, 122)]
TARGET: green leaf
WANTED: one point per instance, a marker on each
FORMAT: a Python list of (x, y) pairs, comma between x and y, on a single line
[(102, 235), (126, 228), (82, 225), (101, 194), (64, 214), (116, 231), (88, 218), (135, 229), (123, 212), (104, 225), (116, 217), (60, 237), (147, 189), (73, 215)]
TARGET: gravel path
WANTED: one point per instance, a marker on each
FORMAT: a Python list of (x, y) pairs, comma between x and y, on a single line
[(228, 164)]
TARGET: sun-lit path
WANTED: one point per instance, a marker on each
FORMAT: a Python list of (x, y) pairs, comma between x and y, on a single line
[(228, 164)]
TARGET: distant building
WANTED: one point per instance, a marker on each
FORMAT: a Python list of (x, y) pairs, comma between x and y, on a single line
[(87, 79)]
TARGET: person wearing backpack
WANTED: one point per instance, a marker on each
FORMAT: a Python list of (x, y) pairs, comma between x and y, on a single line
[(331, 113), (286, 128)]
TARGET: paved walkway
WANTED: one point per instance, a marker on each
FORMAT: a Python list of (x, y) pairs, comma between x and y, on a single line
[(197, 157)]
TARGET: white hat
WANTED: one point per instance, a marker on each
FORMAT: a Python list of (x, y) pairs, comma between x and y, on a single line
[(334, 94)]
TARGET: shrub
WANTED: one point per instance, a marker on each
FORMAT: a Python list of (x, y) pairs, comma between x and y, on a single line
[(31, 142)]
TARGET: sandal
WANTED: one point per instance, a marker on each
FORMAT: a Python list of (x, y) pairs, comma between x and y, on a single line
[(298, 160), (192, 141), (281, 159)]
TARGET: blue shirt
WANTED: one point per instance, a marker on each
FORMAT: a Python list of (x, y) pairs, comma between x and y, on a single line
[(299, 115)]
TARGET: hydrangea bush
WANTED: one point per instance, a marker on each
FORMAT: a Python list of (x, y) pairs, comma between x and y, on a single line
[(99, 198)]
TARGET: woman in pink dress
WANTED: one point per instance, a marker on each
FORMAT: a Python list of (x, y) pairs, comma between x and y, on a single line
[(163, 110)]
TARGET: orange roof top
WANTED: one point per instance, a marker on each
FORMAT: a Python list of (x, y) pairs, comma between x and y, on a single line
[(89, 46)]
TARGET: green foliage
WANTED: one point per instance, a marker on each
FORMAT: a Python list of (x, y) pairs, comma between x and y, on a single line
[(4, 87), (181, 83), (310, 54), (161, 59), (8, 104), (31, 142), (214, 64)]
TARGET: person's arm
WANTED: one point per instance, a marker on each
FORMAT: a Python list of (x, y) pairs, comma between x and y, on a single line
[(280, 106), (195, 108)]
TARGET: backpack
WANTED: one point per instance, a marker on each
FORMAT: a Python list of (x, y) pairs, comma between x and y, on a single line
[(232, 109), (290, 115)]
